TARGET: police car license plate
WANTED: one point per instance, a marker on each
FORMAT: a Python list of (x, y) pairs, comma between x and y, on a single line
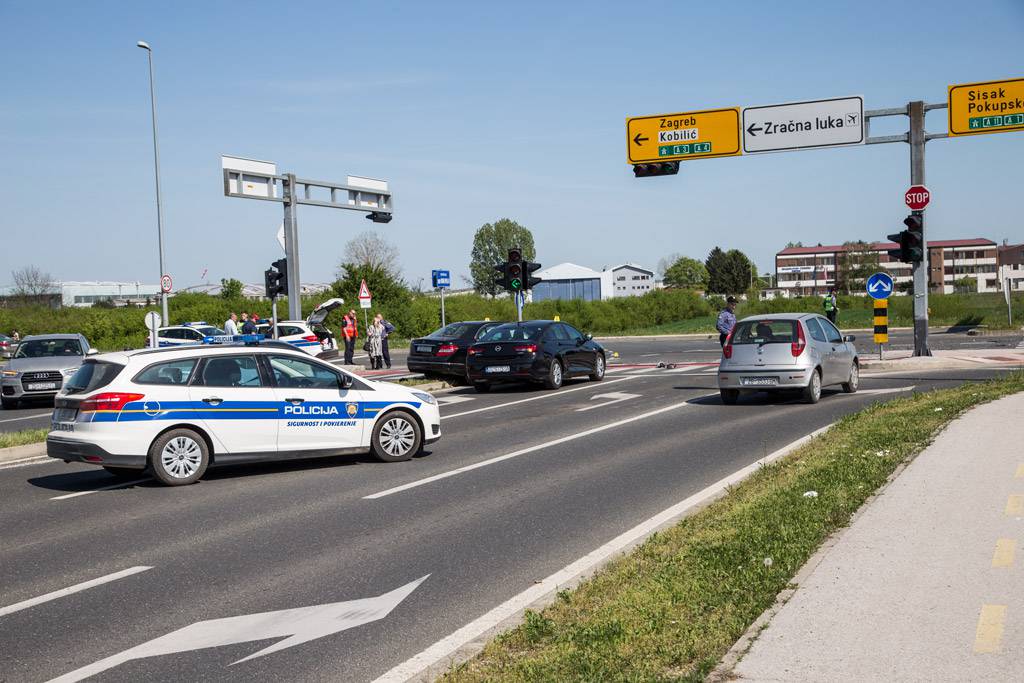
[(498, 368), (41, 386), (425, 349), (63, 426), (759, 381)]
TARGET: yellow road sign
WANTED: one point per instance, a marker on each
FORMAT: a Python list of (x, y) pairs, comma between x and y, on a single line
[(990, 107), (684, 136), (881, 321)]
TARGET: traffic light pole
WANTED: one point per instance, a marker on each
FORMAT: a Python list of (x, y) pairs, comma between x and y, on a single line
[(273, 317), (291, 248), (916, 137)]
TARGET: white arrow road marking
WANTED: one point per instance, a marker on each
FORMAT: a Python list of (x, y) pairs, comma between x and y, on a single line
[(616, 396), (78, 587), (449, 400), (300, 625)]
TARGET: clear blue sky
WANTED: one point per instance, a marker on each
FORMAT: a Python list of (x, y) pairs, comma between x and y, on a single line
[(475, 111)]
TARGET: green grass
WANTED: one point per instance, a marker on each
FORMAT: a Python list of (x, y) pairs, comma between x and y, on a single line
[(22, 438), (673, 607)]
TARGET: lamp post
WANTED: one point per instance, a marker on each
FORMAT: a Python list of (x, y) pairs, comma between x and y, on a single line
[(156, 166)]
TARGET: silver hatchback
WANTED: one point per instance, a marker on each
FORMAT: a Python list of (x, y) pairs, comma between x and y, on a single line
[(784, 352)]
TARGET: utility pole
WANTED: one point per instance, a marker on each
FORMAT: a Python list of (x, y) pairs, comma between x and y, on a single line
[(156, 167), (916, 111), (291, 247)]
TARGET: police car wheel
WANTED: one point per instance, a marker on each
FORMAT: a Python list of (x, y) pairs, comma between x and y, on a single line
[(396, 437), (123, 472), (179, 457)]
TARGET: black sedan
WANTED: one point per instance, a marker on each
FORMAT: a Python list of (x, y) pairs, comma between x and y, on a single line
[(442, 353), (542, 351)]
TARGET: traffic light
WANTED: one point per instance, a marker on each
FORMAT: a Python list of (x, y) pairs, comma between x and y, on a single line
[(900, 254), (379, 217), (531, 281), (661, 168), (515, 271), (275, 278), (915, 237)]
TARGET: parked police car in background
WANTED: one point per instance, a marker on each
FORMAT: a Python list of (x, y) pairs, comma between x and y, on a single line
[(185, 334), (174, 412), (294, 332)]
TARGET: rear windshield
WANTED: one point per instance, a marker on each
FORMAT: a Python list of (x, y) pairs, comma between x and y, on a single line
[(47, 348), (209, 331), (765, 332), (453, 331), (92, 376), (514, 332)]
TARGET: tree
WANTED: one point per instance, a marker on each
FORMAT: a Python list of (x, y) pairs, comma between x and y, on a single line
[(687, 273), (230, 288), (665, 262), (388, 291), (490, 247), (790, 245), (729, 272), (369, 248), (32, 282), (854, 265)]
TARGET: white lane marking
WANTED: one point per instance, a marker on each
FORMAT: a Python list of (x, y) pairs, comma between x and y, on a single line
[(875, 392), (447, 646), (616, 396), (524, 451), (21, 462), (102, 488), (78, 587), (449, 399), (552, 394), (649, 355), (300, 625), (28, 417)]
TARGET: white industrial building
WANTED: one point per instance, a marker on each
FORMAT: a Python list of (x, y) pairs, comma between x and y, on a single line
[(571, 281), (84, 294)]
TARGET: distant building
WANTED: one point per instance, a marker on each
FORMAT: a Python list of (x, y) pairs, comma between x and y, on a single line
[(84, 294), (629, 279), (807, 271), (569, 281), (1011, 266)]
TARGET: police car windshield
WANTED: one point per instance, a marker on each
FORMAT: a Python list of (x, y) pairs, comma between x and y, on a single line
[(209, 331), (47, 348), (514, 332)]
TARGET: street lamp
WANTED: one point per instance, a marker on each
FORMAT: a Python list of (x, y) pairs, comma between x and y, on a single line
[(156, 166)]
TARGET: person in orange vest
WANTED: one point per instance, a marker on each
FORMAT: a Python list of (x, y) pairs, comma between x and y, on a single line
[(350, 332)]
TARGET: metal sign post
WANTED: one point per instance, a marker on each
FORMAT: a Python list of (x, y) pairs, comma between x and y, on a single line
[(251, 179), (520, 302), (1009, 309), (273, 317), (441, 280)]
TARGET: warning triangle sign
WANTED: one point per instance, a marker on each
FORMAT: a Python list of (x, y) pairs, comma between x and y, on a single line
[(364, 291)]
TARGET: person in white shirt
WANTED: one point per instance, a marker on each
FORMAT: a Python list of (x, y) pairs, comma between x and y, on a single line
[(231, 325)]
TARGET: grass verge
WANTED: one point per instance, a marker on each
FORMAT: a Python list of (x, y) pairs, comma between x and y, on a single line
[(673, 607), (22, 437)]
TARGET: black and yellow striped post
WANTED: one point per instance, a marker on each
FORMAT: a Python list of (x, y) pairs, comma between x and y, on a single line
[(881, 324)]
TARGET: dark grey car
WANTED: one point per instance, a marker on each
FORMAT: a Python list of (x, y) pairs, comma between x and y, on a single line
[(41, 365)]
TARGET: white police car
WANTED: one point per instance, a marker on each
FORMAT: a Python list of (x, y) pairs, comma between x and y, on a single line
[(174, 412), (185, 334), (294, 332)]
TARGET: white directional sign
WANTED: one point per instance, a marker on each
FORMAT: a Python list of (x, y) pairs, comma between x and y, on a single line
[(293, 626), (834, 122)]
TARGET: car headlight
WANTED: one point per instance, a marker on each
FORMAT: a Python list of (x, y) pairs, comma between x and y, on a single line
[(11, 373), (426, 398)]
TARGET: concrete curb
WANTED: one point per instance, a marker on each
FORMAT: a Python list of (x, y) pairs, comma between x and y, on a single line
[(32, 450)]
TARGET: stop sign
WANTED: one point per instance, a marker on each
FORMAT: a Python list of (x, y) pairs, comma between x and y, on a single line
[(917, 197)]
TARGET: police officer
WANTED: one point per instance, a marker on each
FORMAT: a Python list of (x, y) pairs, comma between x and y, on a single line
[(831, 305)]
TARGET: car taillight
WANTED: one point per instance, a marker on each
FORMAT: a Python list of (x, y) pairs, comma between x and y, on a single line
[(797, 347), (107, 401), (447, 349), (309, 337), (727, 349), (526, 348), (472, 351)]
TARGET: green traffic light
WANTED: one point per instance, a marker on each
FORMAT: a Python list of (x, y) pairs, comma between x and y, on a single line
[(516, 283)]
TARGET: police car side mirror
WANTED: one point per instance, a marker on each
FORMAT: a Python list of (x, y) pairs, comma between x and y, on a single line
[(345, 381)]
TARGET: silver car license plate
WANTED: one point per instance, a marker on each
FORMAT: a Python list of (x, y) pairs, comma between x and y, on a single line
[(759, 381), (41, 386), (497, 368)]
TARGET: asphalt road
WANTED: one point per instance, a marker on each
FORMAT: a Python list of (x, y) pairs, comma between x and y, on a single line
[(581, 469), (642, 350)]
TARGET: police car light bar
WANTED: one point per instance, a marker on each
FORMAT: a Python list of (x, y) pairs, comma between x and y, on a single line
[(232, 338), (195, 323)]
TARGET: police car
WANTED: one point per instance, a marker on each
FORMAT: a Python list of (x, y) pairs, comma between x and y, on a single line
[(175, 412), (294, 332), (185, 334)]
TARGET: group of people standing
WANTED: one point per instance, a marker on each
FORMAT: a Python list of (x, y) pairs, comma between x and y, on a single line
[(247, 326), (376, 345)]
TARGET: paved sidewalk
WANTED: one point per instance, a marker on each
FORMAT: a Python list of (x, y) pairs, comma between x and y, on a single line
[(927, 584)]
